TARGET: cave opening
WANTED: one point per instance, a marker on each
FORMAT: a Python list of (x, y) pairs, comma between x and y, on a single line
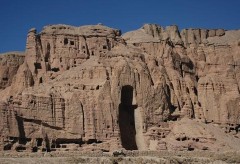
[(126, 119), (55, 69), (21, 131), (5, 79), (7, 147), (40, 80), (37, 65), (35, 149), (20, 149), (65, 41), (47, 55), (39, 141), (72, 43)]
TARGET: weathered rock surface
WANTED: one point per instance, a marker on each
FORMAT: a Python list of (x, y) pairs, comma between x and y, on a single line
[(9, 64), (91, 88)]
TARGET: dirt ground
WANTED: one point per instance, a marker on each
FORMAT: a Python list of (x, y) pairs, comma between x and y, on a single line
[(125, 158)]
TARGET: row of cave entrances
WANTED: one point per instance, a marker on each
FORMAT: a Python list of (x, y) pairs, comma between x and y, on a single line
[(126, 125), (44, 144)]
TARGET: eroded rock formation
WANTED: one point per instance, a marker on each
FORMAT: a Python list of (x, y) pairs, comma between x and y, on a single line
[(9, 64), (91, 88)]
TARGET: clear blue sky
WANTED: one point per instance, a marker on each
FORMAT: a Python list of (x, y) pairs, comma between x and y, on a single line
[(18, 16)]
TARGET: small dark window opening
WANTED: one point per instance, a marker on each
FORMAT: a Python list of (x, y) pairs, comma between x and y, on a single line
[(83, 47), (195, 91), (199, 104), (91, 141), (75, 62), (7, 147), (92, 53), (34, 149), (40, 80), (97, 88), (20, 149), (184, 138), (5, 79), (39, 141), (197, 78), (65, 41), (46, 59), (104, 47), (60, 59), (187, 90), (72, 42), (38, 65), (55, 69), (190, 148)]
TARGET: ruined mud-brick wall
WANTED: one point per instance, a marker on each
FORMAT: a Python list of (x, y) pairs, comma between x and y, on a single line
[(89, 88)]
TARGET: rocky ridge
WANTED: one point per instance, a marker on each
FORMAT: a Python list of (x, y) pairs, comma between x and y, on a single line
[(90, 88)]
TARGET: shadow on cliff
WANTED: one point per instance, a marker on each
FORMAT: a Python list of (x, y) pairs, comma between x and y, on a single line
[(22, 137), (126, 119)]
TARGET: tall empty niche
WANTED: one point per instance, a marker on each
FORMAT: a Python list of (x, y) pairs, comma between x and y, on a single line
[(47, 55), (126, 119)]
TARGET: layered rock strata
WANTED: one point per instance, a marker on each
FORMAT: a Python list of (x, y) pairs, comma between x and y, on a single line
[(91, 88)]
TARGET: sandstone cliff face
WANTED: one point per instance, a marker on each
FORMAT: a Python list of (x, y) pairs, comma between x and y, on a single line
[(89, 88), (60, 47), (9, 64)]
